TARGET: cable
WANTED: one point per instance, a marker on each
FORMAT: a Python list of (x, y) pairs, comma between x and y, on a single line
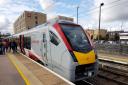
[(105, 5), (98, 7), (87, 13)]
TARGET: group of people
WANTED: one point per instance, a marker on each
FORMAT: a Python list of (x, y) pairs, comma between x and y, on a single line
[(7, 46)]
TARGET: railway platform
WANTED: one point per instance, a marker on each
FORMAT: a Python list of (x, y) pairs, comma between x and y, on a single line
[(20, 70), (8, 73), (114, 58)]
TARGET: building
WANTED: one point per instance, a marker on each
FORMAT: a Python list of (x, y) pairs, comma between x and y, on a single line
[(90, 32), (103, 33), (123, 36), (27, 20), (113, 34)]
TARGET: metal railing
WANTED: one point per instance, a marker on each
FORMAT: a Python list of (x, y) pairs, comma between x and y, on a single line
[(119, 49)]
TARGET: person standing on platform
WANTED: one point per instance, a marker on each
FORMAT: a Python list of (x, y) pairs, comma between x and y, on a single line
[(15, 46), (3, 47), (10, 47), (7, 45)]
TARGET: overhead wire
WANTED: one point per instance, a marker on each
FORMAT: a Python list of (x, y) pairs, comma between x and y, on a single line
[(97, 7), (124, 4), (90, 11), (103, 9), (93, 9)]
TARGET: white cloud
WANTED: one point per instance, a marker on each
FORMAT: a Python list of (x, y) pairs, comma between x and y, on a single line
[(45, 4), (3, 2), (3, 22), (12, 9)]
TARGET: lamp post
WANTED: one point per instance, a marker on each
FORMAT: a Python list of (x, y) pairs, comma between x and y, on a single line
[(77, 13), (99, 20)]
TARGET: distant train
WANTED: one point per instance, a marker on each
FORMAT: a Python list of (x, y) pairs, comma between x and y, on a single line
[(63, 47)]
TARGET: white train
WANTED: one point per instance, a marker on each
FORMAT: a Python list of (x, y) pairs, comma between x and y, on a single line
[(63, 47)]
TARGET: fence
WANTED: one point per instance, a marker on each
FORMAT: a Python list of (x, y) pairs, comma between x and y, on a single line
[(112, 49)]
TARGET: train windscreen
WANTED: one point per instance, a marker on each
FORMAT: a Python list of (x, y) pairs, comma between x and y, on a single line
[(76, 37)]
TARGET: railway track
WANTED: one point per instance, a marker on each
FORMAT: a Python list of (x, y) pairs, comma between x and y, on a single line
[(114, 71)]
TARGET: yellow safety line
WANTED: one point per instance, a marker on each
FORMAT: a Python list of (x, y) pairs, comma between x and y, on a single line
[(20, 72)]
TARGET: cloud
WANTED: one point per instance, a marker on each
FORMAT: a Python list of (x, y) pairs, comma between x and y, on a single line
[(11, 9), (4, 24), (3, 2), (45, 4), (114, 10)]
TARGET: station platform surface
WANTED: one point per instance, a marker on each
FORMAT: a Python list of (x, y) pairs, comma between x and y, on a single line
[(30, 72), (116, 58), (8, 73)]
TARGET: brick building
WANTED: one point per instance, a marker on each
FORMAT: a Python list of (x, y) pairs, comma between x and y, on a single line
[(28, 20)]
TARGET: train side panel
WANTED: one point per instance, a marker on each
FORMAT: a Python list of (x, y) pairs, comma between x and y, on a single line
[(61, 59)]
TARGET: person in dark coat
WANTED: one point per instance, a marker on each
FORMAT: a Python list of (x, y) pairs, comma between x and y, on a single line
[(1, 48), (13, 46), (7, 45)]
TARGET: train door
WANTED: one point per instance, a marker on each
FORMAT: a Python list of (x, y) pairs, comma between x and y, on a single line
[(56, 51), (22, 44), (46, 50)]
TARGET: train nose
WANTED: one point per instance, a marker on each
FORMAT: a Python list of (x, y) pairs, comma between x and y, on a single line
[(85, 58)]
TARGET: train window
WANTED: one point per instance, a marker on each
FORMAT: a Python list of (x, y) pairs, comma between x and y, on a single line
[(76, 37), (54, 39), (27, 42), (36, 23)]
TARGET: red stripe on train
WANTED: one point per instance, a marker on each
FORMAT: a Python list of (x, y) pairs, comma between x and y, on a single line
[(59, 30), (32, 56)]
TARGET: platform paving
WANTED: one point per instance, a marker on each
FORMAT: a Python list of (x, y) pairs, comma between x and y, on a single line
[(8, 73), (36, 74)]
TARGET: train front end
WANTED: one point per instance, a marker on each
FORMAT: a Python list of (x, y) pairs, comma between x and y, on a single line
[(85, 62)]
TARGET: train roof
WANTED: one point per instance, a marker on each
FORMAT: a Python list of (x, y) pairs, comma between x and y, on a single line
[(51, 22)]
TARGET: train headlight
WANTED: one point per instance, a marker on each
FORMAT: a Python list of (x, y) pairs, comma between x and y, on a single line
[(89, 74)]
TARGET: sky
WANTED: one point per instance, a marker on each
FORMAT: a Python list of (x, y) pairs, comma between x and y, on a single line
[(114, 14)]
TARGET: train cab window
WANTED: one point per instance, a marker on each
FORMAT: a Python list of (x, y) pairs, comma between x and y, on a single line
[(27, 42), (54, 39), (76, 37)]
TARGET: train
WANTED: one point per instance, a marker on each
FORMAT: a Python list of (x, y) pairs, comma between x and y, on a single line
[(62, 46)]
